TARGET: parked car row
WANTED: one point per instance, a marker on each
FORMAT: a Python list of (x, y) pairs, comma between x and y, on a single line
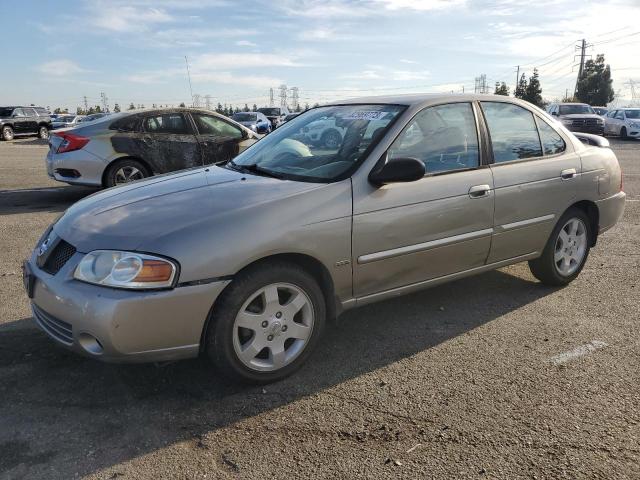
[(580, 117), (246, 261)]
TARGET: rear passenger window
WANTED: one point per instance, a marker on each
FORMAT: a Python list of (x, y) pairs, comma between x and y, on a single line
[(167, 123), (513, 131), (552, 142), (126, 124), (443, 137)]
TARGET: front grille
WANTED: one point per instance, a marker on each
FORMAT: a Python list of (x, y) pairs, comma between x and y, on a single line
[(586, 122), (61, 254), (61, 331)]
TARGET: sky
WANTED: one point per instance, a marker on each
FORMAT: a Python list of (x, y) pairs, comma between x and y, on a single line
[(134, 51)]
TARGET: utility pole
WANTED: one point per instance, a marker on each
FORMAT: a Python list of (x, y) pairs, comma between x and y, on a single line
[(283, 95), (189, 77), (271, 97), (583, 49), (517, 80), (105, 100), (207, 102), (196, 100), (294, 98), (86, 105)]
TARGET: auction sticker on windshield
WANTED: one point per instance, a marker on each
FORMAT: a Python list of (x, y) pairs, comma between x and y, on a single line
[(364, 115)]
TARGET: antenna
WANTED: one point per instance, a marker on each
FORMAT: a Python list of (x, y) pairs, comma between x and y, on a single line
[(186, 60)]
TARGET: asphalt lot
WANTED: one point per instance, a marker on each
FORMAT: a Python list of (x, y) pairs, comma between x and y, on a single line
[(493, 376)]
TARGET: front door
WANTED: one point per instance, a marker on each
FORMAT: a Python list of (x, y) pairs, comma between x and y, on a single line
[(168, 143), (218, 139), (20, 121), (406, 233), (535, 171)]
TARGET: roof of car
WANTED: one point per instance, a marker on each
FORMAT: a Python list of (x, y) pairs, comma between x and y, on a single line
[(573, 103), (423, 98)]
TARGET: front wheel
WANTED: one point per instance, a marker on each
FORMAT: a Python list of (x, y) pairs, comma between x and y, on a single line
[(7, 133), (267, 323), (623, 133), (566, 251), (43, 132)]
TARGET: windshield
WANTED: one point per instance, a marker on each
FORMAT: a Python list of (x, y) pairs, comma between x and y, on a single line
[(273, 112), (66, 118), (324, 144), (600, 110), (632, 113), (575, 109), (244, 117)]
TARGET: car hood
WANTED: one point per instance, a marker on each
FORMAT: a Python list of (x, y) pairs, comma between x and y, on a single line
[(581, 116), (136, 216)]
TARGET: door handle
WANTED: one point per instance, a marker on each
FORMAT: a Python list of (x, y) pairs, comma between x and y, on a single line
[(568, 174), (479, 191)]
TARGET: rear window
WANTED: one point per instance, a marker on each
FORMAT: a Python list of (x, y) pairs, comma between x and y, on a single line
[(167, 123), (6, 112), (126, 124)]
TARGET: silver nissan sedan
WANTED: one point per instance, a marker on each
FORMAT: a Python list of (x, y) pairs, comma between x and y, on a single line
[(246, 263)]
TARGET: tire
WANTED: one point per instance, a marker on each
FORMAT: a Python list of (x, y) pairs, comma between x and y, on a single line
[(552, 268), (331, 138), (7, 133), (277, 326), (623, 133), (43, 133), (125, 171)]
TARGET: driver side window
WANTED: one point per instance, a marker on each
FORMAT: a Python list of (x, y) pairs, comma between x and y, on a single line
[(443, 137)]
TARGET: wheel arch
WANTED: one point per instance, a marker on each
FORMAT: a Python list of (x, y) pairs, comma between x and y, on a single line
[(126, 157), (310, 264), (591, 211)]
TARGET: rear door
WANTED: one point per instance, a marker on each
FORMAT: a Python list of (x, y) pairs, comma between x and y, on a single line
[(406, 233), (218, 138), (535, 172), (168, 142), (31, 120)]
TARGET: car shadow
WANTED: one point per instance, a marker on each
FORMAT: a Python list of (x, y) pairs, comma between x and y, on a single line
[(47, 199), (109, 414)]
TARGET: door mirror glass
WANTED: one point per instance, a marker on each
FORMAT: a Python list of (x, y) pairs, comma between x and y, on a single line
[(395, 170)]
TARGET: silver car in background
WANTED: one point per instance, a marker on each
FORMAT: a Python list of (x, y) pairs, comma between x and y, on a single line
[(246, 263), (128, 146)]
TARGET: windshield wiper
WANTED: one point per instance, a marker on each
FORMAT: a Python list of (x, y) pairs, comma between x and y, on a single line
[(254, 169)]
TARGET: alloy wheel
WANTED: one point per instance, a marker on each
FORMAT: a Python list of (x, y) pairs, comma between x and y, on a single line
[(273, 327), (571, 247), (128, 174)]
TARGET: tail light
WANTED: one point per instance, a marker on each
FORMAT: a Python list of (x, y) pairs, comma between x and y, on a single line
[(70, 142)]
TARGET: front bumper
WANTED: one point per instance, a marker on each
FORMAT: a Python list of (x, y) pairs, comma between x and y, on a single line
[(595, 129), (610, 211), (116, 325)]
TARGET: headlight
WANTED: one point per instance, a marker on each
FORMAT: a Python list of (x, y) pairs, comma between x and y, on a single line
[(125, 270), (253, 127), (634, 124), (566, 121)]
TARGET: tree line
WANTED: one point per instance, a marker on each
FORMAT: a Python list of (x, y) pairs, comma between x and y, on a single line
[(595, 86)]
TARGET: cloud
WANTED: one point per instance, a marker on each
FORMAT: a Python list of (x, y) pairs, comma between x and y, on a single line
[(410, 62), (246, 43), (155, 77), (61, 68), (115, 17), (225, 61), (364, 75), (324, 9), (420, 5), (404, 75)]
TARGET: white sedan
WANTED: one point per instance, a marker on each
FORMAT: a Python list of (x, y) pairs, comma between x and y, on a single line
[(624, 122)]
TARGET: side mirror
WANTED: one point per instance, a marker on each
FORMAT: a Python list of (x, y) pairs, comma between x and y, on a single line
[(555, 114), (397, 170)]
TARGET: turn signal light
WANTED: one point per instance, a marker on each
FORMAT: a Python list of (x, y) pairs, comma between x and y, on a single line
[(71, 142)]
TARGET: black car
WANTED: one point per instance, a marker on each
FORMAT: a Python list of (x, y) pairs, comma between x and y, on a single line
[(24, 120)]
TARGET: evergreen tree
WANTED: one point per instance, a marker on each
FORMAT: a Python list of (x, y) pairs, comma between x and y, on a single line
[(521, 89), (116, 108), (182, 105), (298, 109), (57, 110), (316, 105), (254, 108), (306, 106), (131, 106), (533, 90), (219, 108), (79, 111), (501, 89), (246, 108), (595, 87)]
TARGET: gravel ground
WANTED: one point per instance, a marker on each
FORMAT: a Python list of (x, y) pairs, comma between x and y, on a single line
[(466, 380)]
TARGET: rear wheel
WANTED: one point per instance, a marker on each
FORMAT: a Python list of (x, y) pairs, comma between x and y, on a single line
[(623, 133), (331, 138), (566, 251), (267, 323), (43, 132), (7, 133), (125, 171)]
